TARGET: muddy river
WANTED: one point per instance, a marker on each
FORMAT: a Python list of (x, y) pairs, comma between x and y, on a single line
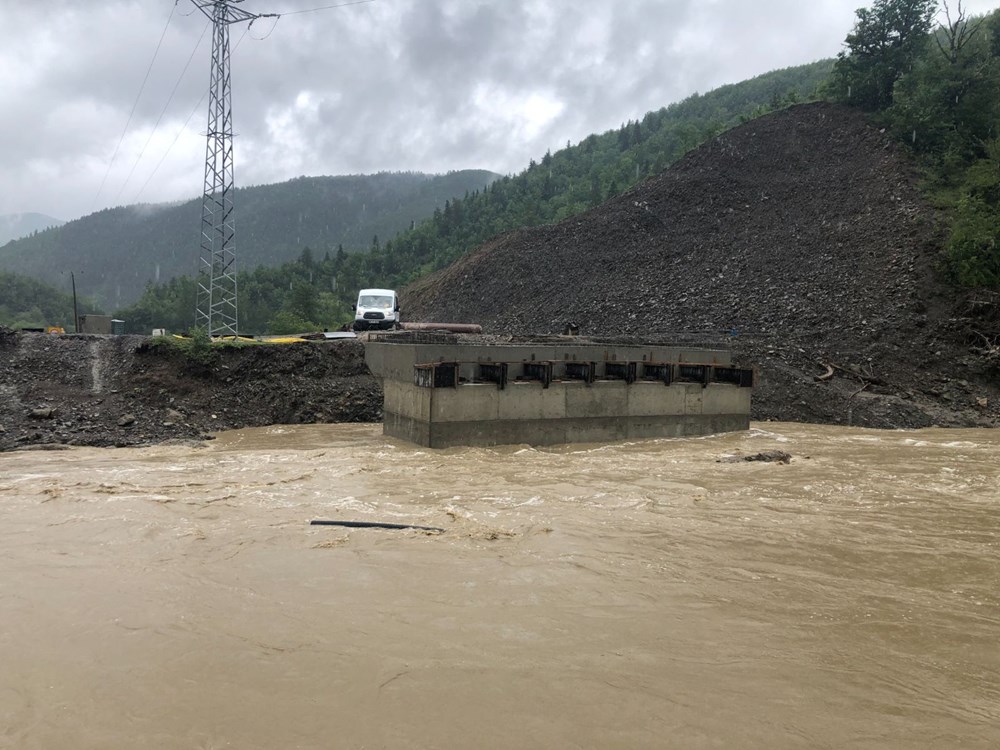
[(638, 595)]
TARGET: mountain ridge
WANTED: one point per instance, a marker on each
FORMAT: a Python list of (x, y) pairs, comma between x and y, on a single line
[(117, 251), (17, 226)]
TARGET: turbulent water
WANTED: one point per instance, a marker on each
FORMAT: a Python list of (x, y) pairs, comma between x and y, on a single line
[(637, 595)]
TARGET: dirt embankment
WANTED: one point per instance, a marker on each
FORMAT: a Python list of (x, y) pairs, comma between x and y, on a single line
[(104, 390), (801, 237)]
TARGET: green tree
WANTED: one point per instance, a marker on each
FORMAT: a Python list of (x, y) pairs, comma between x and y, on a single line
[(286, 322), (883, 46), (974, 244), (992, 32), (950, 103), (27, 303), (303, 301)]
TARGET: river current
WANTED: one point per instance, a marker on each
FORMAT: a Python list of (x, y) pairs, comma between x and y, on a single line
[(632, 595)]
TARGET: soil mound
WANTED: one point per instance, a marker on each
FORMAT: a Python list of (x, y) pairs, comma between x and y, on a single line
[(125, 390), (800, 238)]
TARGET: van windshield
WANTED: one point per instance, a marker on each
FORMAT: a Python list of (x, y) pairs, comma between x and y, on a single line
[(374, 300)]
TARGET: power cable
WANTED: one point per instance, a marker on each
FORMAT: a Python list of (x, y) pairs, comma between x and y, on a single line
[(271, 31), (134, 105), (325, 7), (162, 112), (277, 16), (181, 130), (169, 148)]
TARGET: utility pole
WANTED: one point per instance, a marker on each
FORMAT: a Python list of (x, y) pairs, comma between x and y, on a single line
[(76, 314), (217, 306)]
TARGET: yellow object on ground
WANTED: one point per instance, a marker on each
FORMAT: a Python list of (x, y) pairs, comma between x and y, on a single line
[(282, 340)]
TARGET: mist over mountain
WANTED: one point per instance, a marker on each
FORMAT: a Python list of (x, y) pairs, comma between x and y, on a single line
[(116, 252), (15, 226)]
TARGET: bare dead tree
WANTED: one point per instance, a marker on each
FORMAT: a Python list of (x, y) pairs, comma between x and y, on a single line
[(957, 33)]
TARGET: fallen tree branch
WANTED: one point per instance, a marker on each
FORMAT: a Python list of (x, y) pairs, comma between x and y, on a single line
[(865, 385), (866, 378), (826, 375)]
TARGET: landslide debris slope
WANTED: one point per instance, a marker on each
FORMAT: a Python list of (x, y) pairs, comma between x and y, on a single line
[(800, 234), (124, 390)]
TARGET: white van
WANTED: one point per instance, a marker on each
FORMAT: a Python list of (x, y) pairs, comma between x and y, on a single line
[(376, 309)]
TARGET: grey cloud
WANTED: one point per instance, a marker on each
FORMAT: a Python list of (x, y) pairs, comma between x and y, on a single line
[(395, 84)]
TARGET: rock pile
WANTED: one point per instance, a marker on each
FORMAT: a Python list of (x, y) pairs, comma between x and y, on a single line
[(799, 239)]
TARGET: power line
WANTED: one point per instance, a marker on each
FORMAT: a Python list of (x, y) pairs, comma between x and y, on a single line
[(162, 112), (170, 147), (277, 16), (135, 104), (325, 7), (270, 31), (181, 130)]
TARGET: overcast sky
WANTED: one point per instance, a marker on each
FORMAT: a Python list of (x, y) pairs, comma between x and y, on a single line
[(388, 85)]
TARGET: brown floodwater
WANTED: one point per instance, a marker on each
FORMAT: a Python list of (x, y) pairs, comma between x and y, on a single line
[(634, 595)]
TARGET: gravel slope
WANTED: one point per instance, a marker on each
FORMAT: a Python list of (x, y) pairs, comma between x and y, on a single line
[(800, 238)]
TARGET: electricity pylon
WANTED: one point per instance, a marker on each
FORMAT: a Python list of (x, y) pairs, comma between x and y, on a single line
[(217, 307)]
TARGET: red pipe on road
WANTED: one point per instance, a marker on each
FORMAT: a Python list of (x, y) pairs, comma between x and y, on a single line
[(451, 327)]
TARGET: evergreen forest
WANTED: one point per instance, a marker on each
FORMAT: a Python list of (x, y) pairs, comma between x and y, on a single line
[(114, 252)]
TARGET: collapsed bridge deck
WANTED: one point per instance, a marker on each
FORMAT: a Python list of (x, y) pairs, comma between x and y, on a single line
[(442, 391)]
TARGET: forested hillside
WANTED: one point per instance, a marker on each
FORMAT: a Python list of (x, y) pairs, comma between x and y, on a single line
[(317, 291), (579, 177), (808, 236), (26, 303), (932, 80), (931, 75), (115, 252)]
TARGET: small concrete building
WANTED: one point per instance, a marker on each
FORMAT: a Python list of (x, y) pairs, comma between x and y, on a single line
[(95, 324), (442, 391)]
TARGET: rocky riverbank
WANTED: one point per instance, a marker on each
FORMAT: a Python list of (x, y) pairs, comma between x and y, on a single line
[(126, 390)]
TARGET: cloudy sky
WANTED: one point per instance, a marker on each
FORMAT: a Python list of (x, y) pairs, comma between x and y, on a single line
[(425, 85)]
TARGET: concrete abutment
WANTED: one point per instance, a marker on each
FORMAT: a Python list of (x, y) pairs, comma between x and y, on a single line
[(442, 392)]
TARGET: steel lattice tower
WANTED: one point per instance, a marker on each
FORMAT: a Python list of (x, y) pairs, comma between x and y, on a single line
[(217, 308)]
